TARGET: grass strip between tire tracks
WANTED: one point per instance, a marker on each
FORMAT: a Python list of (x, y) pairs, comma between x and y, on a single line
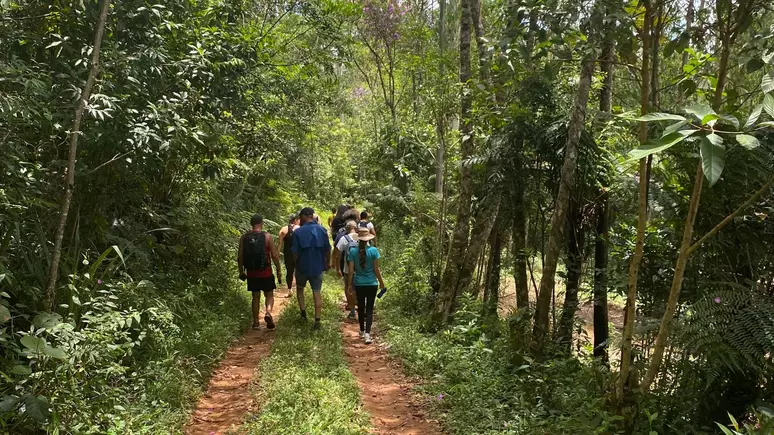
[(305, 386)]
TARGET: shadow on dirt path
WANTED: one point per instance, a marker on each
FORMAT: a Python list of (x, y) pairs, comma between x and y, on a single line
[(386, 393), (228, 397)]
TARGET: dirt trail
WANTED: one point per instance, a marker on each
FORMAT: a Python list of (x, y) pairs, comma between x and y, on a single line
[(228, 397), (386, 393)]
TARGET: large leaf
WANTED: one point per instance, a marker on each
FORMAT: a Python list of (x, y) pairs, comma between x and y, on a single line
[(768, 104), (700, 111), (713, 157), (656, 146), (55, 352), (767, 84), (747, 141), (5, 315), (754, 115), (37, 408), (729, 120), (21, 370), (47, 320), (33, 343), (674, 127), (658, 116), (9, 403)]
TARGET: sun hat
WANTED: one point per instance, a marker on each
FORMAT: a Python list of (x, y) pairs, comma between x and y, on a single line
[(364, 235)]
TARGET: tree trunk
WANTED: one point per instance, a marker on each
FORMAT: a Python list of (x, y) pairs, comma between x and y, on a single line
[(575, 243), (483, 223), (642, 219), (493, 274), (566, 183), (460, 236), (520, 245), (441, 127), (74, 134), (481, 50), (601, 322)]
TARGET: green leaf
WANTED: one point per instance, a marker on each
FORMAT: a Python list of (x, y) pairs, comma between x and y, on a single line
[(37, 408), (5, 315), (656, 146), (713, 157), (733, 421), (9, 403), (725, 430), (754, 64), (768, 57), (47, 320), (120, 255), (33, 343), (658, 116), (747, 141), (710, 119), (55, 352), (700, 111), (674, 127), (754, 115), (768, 104), (767, 124), (730, 120), (767, 83), (21, 370)]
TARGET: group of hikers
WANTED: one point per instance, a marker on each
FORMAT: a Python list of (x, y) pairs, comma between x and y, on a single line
[(307, 251)]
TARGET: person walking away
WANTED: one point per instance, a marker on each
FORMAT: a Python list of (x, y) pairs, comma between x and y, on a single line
[(256, 247), (366, 223), (286, 248), (338, 221), (312, 251), (343, 245), (366, 276)]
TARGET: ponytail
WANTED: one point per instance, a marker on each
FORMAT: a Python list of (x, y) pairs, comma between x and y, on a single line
[(362, 252)]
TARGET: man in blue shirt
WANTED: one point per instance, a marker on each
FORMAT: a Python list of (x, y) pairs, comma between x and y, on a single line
[(312, 250)]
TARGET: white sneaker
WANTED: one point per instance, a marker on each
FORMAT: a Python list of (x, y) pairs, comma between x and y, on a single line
[(362, 334), (367, 338)]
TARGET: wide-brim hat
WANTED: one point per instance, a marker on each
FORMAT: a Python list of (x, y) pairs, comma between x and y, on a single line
[(364, 235)]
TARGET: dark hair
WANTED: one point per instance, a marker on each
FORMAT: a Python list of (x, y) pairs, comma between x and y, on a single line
[(292, 218), (307, 211), (363, 214), (362, 248), (333, 210), (256, 220)]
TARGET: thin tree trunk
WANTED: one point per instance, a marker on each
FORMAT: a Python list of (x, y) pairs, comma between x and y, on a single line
[(642, 219), (520, 245), (601, 322), (460, 236), (484, 221), (75, 132), (575, 243), (441, 127), (481, 50), (566, 183), (493, 274)]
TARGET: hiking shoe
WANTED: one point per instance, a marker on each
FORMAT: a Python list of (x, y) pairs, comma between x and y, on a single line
[(316, 325), (367, 338), (269, 321), (362, 334), (256, 326), (303, 314), (351, 315)]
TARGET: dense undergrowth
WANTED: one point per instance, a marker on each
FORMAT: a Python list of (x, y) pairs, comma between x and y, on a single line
[(305, 385)]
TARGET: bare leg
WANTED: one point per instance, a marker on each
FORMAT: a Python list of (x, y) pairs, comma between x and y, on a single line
[(256, 307), (269, 302), (300, 296), (317, 304)]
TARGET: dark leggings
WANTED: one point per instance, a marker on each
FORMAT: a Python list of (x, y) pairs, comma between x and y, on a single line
[(290, 272), (366, 295)]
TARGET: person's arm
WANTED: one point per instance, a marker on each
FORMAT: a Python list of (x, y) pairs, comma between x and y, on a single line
[(281, 236), (327, 247), (240, 261), (274, 256), (378, 272), (351, 276), (295, 247), (335, 261), (371, 228)]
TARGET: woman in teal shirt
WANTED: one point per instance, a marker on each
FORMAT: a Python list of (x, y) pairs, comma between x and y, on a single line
[(365, 275)]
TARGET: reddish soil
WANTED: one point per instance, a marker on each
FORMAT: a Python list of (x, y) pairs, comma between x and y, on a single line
[(228, 397), (386, 393)]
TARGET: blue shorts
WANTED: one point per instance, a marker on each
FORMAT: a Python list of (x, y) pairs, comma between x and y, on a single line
[(314, 281)]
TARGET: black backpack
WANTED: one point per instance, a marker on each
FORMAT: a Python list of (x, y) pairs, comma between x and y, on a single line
[(363, 224), (254, 251)]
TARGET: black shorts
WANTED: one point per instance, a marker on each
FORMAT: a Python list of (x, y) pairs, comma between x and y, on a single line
[(261, 284)]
